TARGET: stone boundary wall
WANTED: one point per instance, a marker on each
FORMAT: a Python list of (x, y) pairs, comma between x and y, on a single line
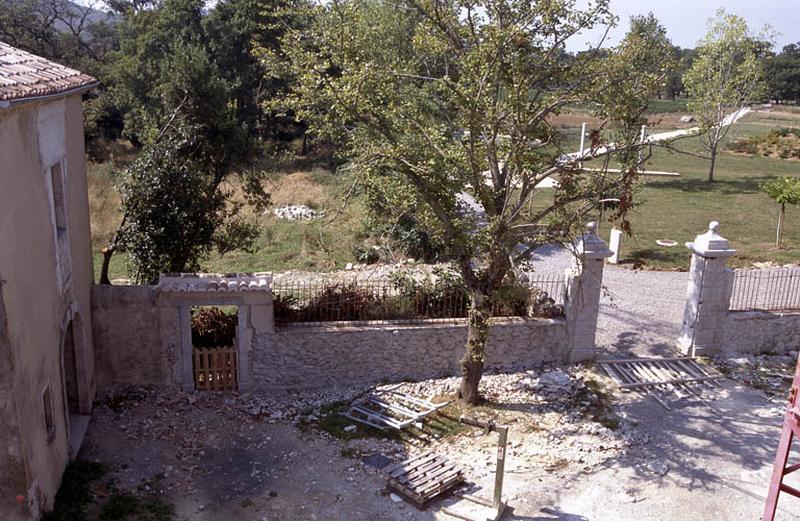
[(760, 332), (142, 334), (316, 356), (128, 347)]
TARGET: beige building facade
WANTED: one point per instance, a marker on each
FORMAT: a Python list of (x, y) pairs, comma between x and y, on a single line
[(46, 357)]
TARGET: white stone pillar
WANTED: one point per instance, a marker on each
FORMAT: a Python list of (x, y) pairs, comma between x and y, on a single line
[(708, 293), (614, 244), (584, 285)]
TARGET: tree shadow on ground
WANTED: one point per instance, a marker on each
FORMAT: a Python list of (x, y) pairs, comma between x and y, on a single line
[(550, 514), (746, 185)]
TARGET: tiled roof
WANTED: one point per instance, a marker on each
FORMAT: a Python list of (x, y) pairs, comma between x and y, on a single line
[(25, 75), (214, 282)]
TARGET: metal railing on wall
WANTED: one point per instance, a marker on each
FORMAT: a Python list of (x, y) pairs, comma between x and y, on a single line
[(379, 300), (766, 290)]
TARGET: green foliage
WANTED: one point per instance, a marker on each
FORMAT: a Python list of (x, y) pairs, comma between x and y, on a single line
[(783, 190), (74, 495), (726, 75), (783, 74), (127, 507), (213, 327), (175, 211), (432, 101)]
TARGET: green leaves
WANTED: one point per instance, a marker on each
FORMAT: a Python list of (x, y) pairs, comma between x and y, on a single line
[(784, 190), (444, 110)]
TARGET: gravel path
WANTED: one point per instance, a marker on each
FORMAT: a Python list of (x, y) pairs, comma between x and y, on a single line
[(640, 311)]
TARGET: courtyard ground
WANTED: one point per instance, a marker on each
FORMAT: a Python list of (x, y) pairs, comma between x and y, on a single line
[(575, 454)]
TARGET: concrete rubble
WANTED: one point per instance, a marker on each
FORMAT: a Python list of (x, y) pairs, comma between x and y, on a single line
[(294, 212)]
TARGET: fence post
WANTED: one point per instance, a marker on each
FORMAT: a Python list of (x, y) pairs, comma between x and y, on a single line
[(583, 285), (708, 293)]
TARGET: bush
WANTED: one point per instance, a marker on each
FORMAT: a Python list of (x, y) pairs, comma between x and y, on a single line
[(213, 327)]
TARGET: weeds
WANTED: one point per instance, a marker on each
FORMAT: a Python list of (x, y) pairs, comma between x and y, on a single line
[(74, 496)]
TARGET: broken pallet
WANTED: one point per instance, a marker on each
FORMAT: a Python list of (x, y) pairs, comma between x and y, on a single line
[(424, 477)]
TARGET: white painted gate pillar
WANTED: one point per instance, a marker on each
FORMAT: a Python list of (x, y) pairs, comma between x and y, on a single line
[(708, 293), (584, 285)]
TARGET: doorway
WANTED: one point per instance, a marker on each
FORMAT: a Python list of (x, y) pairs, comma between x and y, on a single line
[(74, 386)]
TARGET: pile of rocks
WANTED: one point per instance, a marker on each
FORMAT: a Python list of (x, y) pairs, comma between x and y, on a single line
[(294, 212), (772, 373)]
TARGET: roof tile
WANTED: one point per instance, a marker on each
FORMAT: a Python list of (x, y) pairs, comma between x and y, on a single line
[(25, 75)]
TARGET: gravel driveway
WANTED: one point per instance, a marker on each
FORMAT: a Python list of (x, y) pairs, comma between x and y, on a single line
[(640, 311)]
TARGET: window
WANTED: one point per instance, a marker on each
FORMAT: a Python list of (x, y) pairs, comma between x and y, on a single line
[(49, 417), (59, 203)]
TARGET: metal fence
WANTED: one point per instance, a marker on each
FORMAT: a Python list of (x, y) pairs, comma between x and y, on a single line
[(378, 300), (766, 290)]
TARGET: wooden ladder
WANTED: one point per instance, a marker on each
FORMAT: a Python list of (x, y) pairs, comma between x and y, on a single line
[(791, 428)]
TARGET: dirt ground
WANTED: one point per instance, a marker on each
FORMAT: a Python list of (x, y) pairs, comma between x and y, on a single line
[(215, 458)]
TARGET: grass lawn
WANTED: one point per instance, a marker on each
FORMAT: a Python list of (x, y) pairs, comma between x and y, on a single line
[(680, 208), (322, 244)]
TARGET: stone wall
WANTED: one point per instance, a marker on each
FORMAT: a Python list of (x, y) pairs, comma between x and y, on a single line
[(709, 327), (128, 345), (760, 332), (316, 356)]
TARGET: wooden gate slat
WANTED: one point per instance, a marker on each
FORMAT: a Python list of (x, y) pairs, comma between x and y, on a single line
[(215, 368)]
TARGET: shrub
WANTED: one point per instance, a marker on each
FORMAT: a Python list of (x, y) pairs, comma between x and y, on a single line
[(213, 327)]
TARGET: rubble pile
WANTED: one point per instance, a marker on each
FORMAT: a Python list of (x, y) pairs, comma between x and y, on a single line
[(772, 373), (294, 212)]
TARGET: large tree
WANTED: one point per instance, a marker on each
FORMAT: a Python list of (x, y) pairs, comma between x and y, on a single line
[(783, 74), (445, 106), (725, 77), (182, 111)]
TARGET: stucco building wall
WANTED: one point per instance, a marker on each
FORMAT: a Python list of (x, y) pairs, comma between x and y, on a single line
[(127, 337), (33, 137)]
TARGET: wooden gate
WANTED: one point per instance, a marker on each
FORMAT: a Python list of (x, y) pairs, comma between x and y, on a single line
[(215, 368)]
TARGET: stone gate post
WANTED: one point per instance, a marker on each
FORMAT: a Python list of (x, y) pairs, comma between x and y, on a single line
[(708, 293), (584, 285)]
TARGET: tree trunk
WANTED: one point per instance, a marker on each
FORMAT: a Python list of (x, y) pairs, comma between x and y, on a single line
[(713, 163), (779, 233), (475, 350), (107, 253)]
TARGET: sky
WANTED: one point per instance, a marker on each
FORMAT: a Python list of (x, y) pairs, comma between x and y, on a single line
[(685, 20)]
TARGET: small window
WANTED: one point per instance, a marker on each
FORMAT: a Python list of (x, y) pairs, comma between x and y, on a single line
[(57, 177), (49, 416), (58, 184)]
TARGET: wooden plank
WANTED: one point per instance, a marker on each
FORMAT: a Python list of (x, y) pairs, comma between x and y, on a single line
[(433, 474), (423, 463), (424, 473), (404, 464)]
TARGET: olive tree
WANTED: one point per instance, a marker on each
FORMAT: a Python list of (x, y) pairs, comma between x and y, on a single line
[(725, 77), (446, 106)]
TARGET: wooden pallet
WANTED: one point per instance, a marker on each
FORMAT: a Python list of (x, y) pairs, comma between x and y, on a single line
[(391, 409), (424, 477), (657, 377)]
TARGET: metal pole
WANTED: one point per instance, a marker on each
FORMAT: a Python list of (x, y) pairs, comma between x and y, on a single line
[(583, 140)]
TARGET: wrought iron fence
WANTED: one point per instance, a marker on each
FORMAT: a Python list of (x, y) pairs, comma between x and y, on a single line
[(379, 300), (766, 290)]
